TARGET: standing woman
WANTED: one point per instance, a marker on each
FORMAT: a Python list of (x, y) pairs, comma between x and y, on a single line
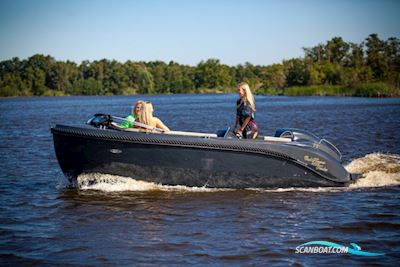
[(245, 110)]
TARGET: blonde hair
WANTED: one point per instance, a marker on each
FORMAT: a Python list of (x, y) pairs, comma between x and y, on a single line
[(248, 96), (138, 104), (145, 114)]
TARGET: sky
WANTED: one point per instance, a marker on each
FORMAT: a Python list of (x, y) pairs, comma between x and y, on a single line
[(262, 32)]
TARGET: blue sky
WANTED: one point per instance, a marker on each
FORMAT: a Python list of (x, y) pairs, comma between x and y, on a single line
[(187, 31)]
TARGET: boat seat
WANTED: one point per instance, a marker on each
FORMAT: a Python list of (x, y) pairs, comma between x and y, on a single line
[(277, 139), (194, 134)]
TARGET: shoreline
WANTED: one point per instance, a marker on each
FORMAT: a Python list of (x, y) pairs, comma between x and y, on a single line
[(373, 90)]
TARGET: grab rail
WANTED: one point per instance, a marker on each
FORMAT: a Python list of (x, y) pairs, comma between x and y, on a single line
[(332, 145)]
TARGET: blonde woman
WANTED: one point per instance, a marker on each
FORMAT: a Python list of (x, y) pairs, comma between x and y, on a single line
[(128, 122), (245, 110), (145, 116)]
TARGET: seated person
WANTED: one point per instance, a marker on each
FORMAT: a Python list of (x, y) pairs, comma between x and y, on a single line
[(128, 122), (145, 116)]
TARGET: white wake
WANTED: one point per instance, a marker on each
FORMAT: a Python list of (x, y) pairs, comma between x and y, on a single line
[(115, 183), (377, 170)]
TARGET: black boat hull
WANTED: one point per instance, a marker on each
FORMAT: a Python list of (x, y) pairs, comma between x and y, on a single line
[(177, 161)]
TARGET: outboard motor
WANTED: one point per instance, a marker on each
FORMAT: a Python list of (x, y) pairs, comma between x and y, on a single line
[(100, 120)]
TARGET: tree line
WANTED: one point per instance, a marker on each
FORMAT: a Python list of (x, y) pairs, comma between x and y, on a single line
[(334, 64)]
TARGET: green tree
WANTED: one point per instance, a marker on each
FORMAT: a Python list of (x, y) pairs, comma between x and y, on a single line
[(158, 71), (316, 54), (337, 50), (336, 62), (87, 87), (392, 55), (273, 76), (376, 56), (297, 73), (145, 81), (212, 74)]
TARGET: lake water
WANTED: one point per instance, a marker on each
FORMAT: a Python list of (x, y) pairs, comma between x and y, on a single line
[(118, 221)]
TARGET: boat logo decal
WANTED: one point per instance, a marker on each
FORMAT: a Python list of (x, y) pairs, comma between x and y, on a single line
[(317, 163), (115, 151), (326, 247)]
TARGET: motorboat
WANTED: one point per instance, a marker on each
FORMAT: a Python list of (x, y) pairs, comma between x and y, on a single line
[(289, 158)]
